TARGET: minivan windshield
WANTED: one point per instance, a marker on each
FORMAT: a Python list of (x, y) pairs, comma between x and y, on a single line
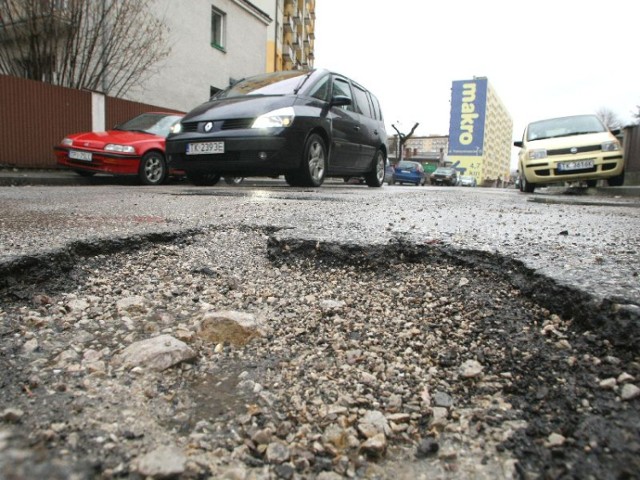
[(280, 83), (564, 127)]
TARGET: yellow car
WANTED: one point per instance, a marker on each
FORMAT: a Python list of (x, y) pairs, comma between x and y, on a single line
[(569, 149)]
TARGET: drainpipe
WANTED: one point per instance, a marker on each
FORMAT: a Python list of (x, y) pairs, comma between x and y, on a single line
[(275, 43)]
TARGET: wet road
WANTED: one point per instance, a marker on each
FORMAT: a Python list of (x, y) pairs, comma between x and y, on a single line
[(577, 253)]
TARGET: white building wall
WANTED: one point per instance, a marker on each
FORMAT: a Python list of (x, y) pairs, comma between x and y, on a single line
[(184, 79)]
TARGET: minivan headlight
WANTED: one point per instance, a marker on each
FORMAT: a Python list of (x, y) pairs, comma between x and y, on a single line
[(610, 146), (282, 117), (176, 127), (537, 154)]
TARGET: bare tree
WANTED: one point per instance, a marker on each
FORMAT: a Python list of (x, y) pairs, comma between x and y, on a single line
[(402, 138), (609, 118), (104, 45)]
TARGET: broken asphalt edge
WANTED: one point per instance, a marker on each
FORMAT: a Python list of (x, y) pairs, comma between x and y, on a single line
[(614, 319)]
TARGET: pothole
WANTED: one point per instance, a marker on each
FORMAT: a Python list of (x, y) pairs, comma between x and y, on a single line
[(374, 355)]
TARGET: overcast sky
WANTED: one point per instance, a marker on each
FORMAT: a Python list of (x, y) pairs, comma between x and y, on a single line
[(544, 58)]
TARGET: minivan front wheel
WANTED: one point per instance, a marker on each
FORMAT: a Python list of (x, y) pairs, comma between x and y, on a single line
[(314, 162), (375, 178)]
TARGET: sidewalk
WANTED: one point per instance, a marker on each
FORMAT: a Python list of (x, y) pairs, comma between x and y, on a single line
[(14, 177)]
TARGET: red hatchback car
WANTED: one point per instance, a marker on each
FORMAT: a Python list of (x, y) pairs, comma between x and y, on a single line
[(136, 147)]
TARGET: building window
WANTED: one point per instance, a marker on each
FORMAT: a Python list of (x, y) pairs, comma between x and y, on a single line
[(218, 25)]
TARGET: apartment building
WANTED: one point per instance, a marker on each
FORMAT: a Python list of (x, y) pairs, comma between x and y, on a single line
[(290, 36), (205, 46), (480, 131), (213, 43)]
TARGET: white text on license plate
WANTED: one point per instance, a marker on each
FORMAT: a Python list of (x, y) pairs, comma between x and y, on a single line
[(205, 148), (76, 155), (577, 165)]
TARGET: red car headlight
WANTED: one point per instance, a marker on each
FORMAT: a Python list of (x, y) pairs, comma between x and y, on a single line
[(114, 147)]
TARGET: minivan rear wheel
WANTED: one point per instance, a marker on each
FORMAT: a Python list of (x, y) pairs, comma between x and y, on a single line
[(233, 180), (375, 178)]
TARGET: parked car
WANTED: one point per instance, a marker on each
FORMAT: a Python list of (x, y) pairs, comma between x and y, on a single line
[(135, 147), (468, 181), (303, 124), (578, 148), (408, 172), (444, 176)]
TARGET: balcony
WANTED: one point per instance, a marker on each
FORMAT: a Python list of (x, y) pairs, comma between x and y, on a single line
[(289, 7), (294, 38), (287, 24), (288, 54)]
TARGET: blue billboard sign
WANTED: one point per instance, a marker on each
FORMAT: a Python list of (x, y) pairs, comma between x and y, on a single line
[(468, 108)]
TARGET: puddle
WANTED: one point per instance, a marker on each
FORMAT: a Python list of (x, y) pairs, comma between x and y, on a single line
[(259, 195), (217, 396)]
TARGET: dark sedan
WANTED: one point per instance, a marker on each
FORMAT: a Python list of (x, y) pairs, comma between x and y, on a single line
[(444, 176), (303, 124)]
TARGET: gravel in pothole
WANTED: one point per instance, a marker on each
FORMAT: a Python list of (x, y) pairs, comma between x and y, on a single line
[(398, 370)]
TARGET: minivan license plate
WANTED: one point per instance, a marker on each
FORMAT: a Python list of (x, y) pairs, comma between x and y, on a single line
[(577, 165), (205, 148)]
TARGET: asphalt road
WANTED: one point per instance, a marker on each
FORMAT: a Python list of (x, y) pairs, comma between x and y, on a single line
[(570, 251)]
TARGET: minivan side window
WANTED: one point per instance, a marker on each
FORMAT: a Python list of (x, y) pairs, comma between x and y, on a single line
[(341, 88), (321, 89), (362, 101), (376, 106)]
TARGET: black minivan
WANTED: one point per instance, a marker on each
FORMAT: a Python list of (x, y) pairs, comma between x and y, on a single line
[(303, 124)]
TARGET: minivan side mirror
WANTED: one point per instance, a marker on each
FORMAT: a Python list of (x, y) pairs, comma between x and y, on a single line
[(518, 144), (340, 100)]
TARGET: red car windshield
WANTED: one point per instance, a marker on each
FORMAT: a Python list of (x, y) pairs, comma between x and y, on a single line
[(152, 123)]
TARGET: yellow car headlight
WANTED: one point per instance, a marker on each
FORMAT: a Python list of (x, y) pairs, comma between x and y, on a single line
[(537, 154), (610, 146)]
